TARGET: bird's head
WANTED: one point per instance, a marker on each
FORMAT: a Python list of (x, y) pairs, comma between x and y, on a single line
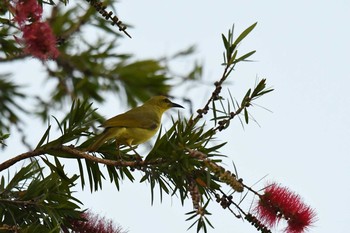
[(162, 103)]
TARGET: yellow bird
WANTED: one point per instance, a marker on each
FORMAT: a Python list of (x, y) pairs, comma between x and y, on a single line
[(135, 126)]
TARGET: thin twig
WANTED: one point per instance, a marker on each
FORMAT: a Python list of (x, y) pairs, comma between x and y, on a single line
[(215, 94), (17, 202)]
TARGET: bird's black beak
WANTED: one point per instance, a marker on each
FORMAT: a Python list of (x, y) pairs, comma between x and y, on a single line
[(174, 105)]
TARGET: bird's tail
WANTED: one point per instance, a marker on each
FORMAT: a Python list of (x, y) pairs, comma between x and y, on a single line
[(98, 142)]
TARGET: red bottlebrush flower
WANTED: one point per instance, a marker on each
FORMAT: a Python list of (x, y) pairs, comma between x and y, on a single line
[(38, 37), (94, 223), (39, 40), (27, 10), (279, 202)]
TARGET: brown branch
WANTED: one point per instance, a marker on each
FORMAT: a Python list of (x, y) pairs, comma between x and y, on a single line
[(9, 228), (224, 175), (108, 15), (80, 154), (223, 123), (12, 161), (215, 94), (17, 202), (77, 154)]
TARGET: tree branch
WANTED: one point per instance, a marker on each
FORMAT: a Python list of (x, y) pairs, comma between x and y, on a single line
[(9, 228), (215, 93), (75, 153), (12, 161), (18, 202)]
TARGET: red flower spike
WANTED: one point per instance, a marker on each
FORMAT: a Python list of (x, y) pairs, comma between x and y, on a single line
[(298, 224), (94, 223), (279, 202), (27, 10), (39, 41), (38, 37)]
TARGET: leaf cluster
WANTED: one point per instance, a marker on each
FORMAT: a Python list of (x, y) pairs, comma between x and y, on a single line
[(176, 168), (75, 126), (231, 57), (224, 113), (90, 65), (96, 67), (34, 202), (185, 161), (10, 96)]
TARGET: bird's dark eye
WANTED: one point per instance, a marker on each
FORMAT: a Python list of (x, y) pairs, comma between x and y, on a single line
[(166, 100)]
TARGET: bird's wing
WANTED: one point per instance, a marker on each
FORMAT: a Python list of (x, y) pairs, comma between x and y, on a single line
[(135, 118)]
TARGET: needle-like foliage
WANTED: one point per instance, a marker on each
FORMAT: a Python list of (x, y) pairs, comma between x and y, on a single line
[(186, 160)]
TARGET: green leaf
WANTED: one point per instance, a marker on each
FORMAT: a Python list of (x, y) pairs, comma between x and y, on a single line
[(190, 50), (265, 92), (192, 224), (25, 173), (81, 170), (261, 85), (196, 72), (128, 173), (246, 116), (58, 167), (152, 182), (214, 113), (4, 136), (232, 59), (44, 137), (244, 57), (207, 220), (58, 124), (246, 97), (260, 89), (226, 43), (244, 33), (113, 175), (201, 225), (144, 178)]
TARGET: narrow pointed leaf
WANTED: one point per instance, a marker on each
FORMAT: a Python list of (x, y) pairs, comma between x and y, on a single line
[(44, 137), (246, 116), (245, 56), (81, 170), (226, 43), (244, 33)]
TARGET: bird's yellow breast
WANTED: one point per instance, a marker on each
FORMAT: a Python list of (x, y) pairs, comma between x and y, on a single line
[(131, 136)]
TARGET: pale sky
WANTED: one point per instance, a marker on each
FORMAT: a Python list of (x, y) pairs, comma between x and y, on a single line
[(302, 51)]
